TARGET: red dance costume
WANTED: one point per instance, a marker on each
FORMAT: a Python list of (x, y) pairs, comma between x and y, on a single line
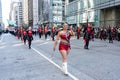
[(30, 33), (64, 45)]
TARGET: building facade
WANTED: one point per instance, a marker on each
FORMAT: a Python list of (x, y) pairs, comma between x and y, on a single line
[(25, 13), (57, 11), (35, 14), (109, 12), (79, 11), (45, 12), (63, 10), (16, 13), (20, 16), (50, 12), (0, 15), (30, 13), (97, 12)]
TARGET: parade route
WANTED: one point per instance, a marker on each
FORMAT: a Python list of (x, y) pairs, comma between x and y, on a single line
[(17, 62)]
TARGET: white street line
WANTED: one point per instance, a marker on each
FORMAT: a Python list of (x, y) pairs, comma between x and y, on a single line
[(43, 43), (69, 74), (1, 38), (16, 45), (1, 47), (36, 41), (47, 39), (3, 43)]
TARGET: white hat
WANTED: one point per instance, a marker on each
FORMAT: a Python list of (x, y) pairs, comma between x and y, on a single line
[(30, 28)]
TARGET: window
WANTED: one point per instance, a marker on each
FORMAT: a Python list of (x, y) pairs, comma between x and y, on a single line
[(71, 0)]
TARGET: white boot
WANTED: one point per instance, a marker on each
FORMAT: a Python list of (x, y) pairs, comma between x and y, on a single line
[(64, 68)]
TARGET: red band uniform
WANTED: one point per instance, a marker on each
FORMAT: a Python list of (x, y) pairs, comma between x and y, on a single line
[(53, 33), (30, 38), (64, 45), (24, 36), (87, 34), (46, 31), (78, 33), (40, 32)]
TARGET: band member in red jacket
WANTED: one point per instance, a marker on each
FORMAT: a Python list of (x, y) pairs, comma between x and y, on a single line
[(30, 37), (103, 34), (78, 32), (46, 31), (87, 34), (110, 35), (53, 33), (24, 36), (92, 33), (40, 31), (21, 33), (64, 46)]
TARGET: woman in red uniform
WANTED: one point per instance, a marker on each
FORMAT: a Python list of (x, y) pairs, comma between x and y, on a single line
[(64, 46)]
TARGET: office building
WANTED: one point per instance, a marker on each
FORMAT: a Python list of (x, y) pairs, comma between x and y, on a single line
[(51, 12), (97, 12), (16, 13), (0, 15)]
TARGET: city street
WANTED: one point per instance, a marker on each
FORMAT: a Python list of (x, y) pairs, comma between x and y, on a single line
[(17, 62)]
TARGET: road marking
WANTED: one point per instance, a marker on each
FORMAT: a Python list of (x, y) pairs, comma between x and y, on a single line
[(47, 39), (3, 43), (43, 43), (1, 47), (77, 47), (69, 74), (1, 38), (72, 38), (16, 45), (36, 41)]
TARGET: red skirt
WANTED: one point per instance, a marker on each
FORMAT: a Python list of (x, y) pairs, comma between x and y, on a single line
[(64, 46)]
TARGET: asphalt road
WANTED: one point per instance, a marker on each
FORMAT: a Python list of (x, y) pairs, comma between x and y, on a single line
[(17, 62)]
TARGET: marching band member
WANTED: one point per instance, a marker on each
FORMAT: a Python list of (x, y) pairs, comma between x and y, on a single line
[(64, 46)]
